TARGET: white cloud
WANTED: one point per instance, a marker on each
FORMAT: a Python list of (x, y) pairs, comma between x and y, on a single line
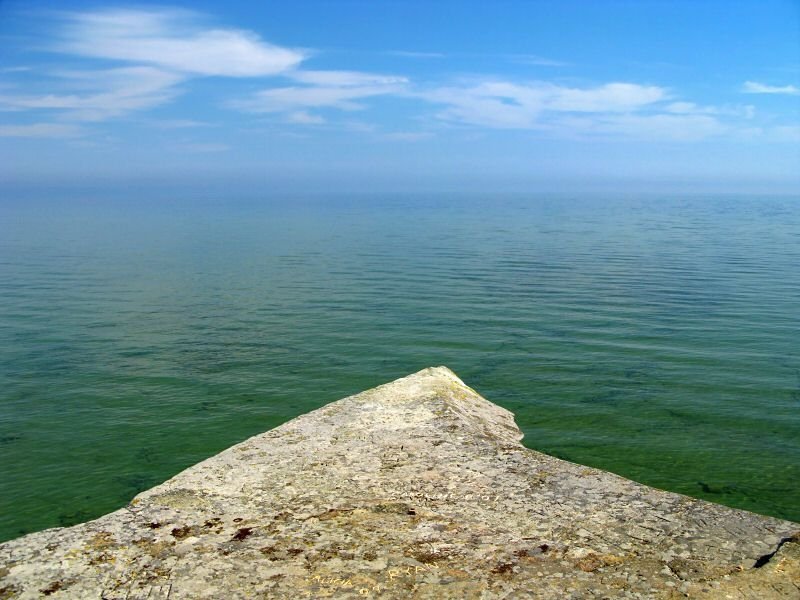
[(753, 87), (173, 40), (475, 107), (538, 61), (690, 108), (167, 47), (120, 91), (325, 89), (515, 106), (345, 78), (411, 54), (164, 48), (39, 130), (611, 97), (608, 111), (304, 118), (291, 98), (669, 127)]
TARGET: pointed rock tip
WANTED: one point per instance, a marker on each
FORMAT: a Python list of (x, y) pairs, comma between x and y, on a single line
[(434, 402)]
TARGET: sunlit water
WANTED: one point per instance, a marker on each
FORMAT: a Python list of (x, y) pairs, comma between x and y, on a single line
[(657, 338)]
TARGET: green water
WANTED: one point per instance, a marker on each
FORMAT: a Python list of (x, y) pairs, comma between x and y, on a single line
[(656, 338)]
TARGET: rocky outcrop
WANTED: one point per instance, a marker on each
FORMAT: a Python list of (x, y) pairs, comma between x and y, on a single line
[(416, 489)]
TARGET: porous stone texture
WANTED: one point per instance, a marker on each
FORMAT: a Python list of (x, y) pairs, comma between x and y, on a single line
[(416, 489)]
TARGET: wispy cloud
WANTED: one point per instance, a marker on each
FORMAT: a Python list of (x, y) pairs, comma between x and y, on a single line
[(304, 118), (611, 97), (175, 40), (116, 92), (508, 105), (523, 59), (345, 78), (342, 90), (649, 127), (690, 108), (754, 87), (411, 54), (536, 60), (40, 130), (288, 99), (612, 110), (160, 50)]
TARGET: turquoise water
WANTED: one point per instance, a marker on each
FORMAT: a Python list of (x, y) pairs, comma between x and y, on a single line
[(656, 338)]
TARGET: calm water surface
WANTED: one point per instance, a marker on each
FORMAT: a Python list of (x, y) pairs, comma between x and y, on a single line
[(657, 338)]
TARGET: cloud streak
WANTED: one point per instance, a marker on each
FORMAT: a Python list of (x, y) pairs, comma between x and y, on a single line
[(508, 105), (412, 54), (173, 40), (115, 92), (754, 87), (39, 130), (616, 110), (159, 49), (690, 108), (342, 90), (537, 61), (292, 98), (346, 78), (650, 127)]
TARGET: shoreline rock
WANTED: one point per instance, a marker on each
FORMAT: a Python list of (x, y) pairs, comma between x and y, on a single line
[(419, 488)]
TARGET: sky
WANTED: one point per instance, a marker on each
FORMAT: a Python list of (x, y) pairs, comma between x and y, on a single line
[(645, 95)]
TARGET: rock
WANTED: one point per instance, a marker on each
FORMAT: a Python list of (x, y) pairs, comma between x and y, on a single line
[(416, 489)]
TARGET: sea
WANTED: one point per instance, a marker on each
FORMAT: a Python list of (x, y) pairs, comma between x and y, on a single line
[(654, 336)]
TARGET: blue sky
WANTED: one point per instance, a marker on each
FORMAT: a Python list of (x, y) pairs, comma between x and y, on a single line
[(364, 95)]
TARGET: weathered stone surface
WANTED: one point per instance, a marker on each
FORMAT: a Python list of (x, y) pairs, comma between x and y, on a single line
[(416, 489)]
